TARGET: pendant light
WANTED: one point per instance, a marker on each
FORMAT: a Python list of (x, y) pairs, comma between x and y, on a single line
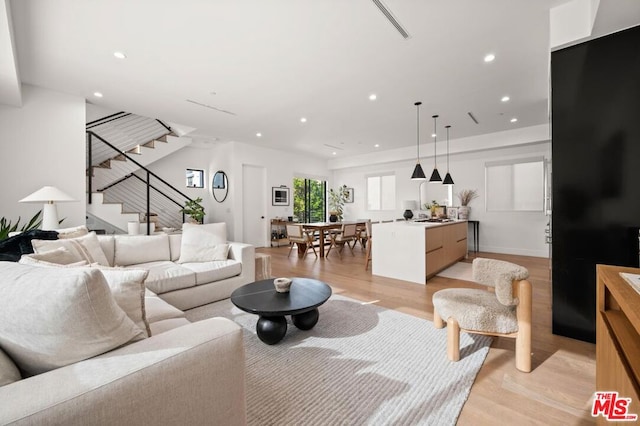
[(448, 180), (435, 176), (418, 173)]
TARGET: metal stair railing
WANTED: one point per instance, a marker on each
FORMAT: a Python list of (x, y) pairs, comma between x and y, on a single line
[(90, 137)]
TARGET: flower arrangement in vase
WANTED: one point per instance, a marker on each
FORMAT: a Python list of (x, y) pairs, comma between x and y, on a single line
[(466, 196)]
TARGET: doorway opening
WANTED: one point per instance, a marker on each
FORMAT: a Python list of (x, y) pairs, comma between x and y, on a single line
[(309, 200)]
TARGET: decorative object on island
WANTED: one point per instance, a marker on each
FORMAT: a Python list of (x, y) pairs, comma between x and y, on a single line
[(337, 198), (418, 173), (279, 196), (282, 285), (452, 213), (194, 210), (49, 195), (409, 205), (466, 196), (6, 227), (435, 175), (448, 180), (432, 207)]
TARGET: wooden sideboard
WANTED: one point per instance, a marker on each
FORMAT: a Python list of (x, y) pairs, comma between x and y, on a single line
[(617, 336)]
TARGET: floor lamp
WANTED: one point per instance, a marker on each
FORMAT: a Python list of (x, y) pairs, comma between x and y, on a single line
[(49, 195)]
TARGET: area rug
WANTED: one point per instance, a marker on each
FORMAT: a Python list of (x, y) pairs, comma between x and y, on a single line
[(360, 365), (458, 271)]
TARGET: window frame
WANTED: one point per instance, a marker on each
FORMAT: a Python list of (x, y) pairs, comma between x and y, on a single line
[(395, 187)]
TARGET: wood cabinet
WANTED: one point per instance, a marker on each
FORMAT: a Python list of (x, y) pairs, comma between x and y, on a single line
[(617, 336), (445, 245), (279, 232)]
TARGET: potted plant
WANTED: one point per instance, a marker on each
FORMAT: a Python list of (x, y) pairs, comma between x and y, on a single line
[(337, 198), (466, 196), (194, 210), (6, 227)]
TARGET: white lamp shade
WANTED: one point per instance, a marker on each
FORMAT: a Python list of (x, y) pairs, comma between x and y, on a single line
[(410, 204), (47, 194)]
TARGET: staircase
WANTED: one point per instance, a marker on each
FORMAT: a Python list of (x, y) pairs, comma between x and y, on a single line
[(121, 189)]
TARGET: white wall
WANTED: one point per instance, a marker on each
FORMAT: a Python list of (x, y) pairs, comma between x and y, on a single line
[(281, 167), (43, 143), (500, 232)]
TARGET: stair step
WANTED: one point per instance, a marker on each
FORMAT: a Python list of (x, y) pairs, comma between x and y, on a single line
[(162, 139), (134, 150), (106, 164), (150, 144), (120, 157)]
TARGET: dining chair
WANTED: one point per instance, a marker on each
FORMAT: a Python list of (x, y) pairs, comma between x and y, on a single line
[(346, 235), (369, 243), (504, 310), (362, 235), (298, 235)]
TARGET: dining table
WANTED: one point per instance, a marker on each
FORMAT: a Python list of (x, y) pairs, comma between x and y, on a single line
[(322, 227)]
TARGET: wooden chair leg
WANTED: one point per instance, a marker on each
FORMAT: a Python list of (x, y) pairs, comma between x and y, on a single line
[(313, 248), (453, 340), (306, 249), (366, 265), (290, 248), (437, 320)]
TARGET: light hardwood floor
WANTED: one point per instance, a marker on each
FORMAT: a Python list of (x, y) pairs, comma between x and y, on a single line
[(557, 392)]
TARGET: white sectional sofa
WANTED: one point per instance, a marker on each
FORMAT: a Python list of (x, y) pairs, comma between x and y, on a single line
[(184, 373), (184, 285)]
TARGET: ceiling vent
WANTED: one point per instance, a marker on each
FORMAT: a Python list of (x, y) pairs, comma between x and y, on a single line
[(333, 147), (211, 107), (473, 118), (387, 13)]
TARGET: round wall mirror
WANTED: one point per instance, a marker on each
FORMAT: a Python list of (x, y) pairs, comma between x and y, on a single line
[(220, 186)]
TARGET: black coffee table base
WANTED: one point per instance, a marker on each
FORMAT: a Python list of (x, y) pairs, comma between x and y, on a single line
[(273, 328)]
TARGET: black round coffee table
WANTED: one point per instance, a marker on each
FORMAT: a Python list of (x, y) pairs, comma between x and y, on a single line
[(301, 302)]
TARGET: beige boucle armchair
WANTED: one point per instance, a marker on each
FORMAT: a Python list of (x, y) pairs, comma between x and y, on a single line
[(504, 312)]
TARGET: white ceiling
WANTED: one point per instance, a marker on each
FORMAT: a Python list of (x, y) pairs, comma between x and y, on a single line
[(272, 62)]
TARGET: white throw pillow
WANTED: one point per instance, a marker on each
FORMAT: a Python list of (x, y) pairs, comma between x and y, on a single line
[(86, 248), (132, 250), (59, 256), (75, 232), (127, 287), (52, 317), (200, 242)]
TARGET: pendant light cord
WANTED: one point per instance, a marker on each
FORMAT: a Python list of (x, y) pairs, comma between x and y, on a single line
[(447, 148), (435, 142)]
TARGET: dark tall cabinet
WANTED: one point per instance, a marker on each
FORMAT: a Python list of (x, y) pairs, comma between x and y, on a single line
[(595, 104)]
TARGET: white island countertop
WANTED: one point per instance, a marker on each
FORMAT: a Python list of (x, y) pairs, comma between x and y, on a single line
[(400, 248)]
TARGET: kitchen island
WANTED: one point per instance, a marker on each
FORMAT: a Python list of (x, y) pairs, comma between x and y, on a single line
[(415, 251)]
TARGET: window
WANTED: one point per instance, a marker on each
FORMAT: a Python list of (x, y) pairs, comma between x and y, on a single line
[(515, 185), (309, 199), (195, 178), (381, 192)]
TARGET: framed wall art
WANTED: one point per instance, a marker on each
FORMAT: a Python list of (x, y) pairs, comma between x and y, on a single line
[(452, 213), (349, 193), (279, 196)]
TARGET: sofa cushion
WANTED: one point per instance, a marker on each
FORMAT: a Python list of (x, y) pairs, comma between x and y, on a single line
[(108, 245), (166, 276), (59, 256), (167, 324), (85, 247), (175, 240), (215, 270), (159, 310), (199, 242), (52, 317), (9, 373), (15, 246), (132, 250)]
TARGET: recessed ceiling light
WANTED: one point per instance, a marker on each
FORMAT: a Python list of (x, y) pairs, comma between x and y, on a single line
[(513, 120), (303, 120), (433, 135), (505, 99), (377, 145), (334, 153), (119, 55), (373, 97), (490, 57), (97, 94), (259, 134)]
